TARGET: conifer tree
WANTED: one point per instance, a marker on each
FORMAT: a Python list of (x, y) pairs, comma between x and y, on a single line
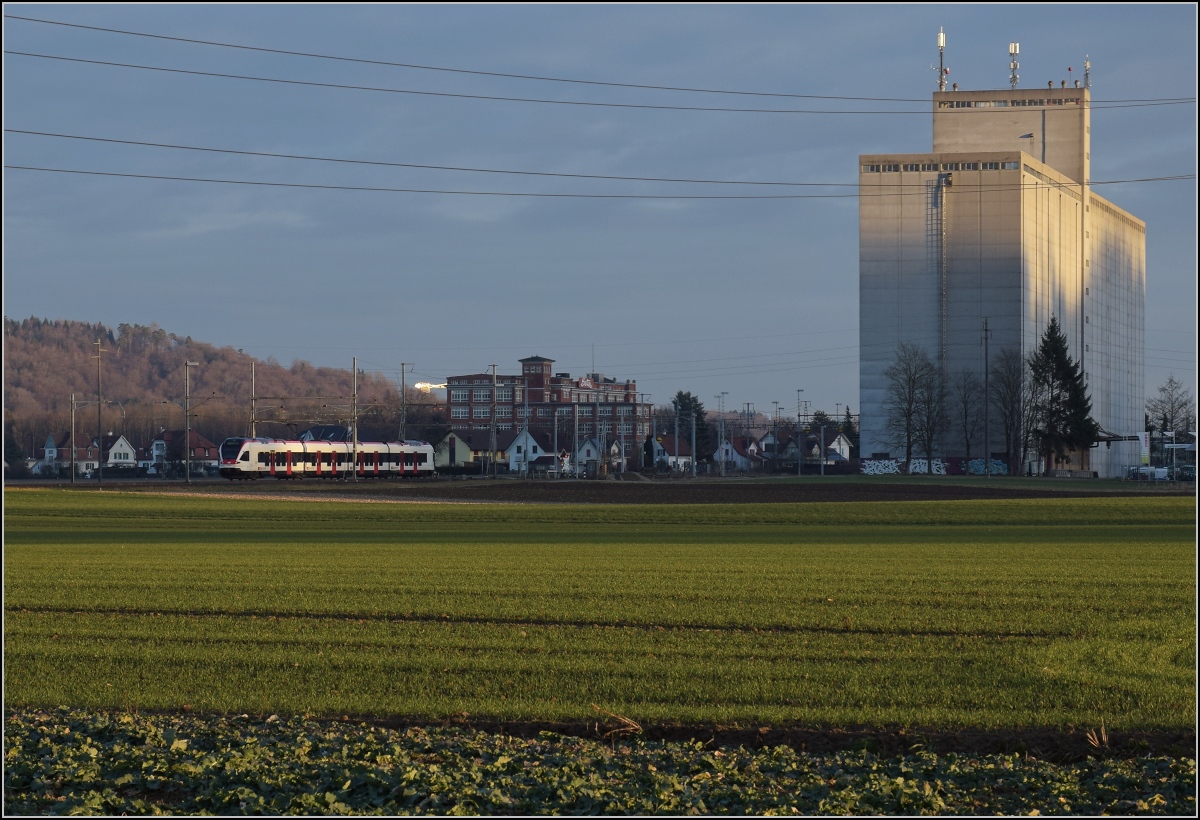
[(1062, 409)]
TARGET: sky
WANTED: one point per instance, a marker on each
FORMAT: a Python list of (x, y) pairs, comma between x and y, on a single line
[(752, 298)]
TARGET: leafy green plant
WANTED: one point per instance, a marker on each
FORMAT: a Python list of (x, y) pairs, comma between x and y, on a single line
[(72, 762)]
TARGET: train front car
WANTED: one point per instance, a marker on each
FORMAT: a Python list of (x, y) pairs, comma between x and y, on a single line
[(235, 459)]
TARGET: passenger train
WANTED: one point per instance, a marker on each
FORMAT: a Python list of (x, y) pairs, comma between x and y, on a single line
[(249, 458)]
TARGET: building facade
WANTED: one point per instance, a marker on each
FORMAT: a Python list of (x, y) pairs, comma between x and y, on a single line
[(1000, 223), (577, 408)]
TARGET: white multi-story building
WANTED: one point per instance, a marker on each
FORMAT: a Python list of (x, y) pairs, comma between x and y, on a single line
[(1000, 222)]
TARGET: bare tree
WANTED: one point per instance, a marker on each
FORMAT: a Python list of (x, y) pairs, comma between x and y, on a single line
[(966, 408), (907, 382), (931, 411), (1173, 408), (1011, 400)]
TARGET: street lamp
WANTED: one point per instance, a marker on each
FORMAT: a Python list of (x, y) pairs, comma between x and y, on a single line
[(187, 420)]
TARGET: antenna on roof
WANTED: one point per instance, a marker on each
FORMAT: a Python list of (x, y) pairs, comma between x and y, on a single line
[(1087, 72), (941, 70), (1013, 50)]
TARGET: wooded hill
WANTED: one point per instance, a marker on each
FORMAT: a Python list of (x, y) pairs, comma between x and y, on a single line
[(142, 372)]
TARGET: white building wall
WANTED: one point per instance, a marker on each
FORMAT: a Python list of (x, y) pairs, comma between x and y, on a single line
[(1014, 244), (1114, 359)]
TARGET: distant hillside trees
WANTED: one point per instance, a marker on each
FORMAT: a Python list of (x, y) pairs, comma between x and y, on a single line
[(48, 360)]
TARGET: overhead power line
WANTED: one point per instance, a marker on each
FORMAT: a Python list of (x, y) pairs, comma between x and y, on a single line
[(316, 186), (388, 164), (502, 74), (534, 100), (424, 166)]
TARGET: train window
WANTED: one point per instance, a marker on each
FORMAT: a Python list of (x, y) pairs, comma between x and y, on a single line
[(424, 458), (262, 458), (245, 457)]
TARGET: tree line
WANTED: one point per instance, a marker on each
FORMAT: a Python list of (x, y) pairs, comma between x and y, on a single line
[(1039, 404)]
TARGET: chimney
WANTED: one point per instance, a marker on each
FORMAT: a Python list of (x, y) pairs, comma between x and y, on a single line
[(1050, 84), (956, 86), (1077, 83), (1064, 83)]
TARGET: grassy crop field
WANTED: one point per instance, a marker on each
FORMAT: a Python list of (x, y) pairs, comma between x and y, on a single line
[(152, 643), (958, 615)]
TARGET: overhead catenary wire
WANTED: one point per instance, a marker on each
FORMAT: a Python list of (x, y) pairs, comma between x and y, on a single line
[(501, 74), (552, 174), (534, 100), (536, 194)]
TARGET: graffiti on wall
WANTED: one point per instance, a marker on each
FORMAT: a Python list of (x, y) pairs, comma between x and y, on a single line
[(881, 466), (921, 466), (895, 466), (976, 467)]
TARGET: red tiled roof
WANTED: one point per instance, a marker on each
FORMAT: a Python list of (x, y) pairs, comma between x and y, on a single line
[(667, 442)]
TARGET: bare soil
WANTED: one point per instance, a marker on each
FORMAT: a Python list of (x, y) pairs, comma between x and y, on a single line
[(662, 491)]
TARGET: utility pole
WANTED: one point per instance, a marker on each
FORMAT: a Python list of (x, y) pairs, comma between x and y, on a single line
[(403, 399), (492, 426), (528, 434), (676, 464), (987, 429), (807, 404), (575, 438), (799, 435), (693, 425), (721, 411), (99, 418), (775, 437), (821, 448), (354, 418), (653, 427), (187, 420), (746, 442), (253, 405), (72, 438)]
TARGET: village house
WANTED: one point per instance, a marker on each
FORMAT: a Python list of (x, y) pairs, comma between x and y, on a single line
[(664, 453), (740, 453), (56, 456)]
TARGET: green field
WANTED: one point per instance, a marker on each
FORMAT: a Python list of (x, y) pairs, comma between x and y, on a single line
[(985, 614)]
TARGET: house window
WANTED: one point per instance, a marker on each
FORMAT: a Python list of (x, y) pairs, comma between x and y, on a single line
[(459, 412), (504, 395), (870, 169), (481, 395), (912, 167), (929, 166), (891, 169), (459, 395), (482, 412), (1009, 166)]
